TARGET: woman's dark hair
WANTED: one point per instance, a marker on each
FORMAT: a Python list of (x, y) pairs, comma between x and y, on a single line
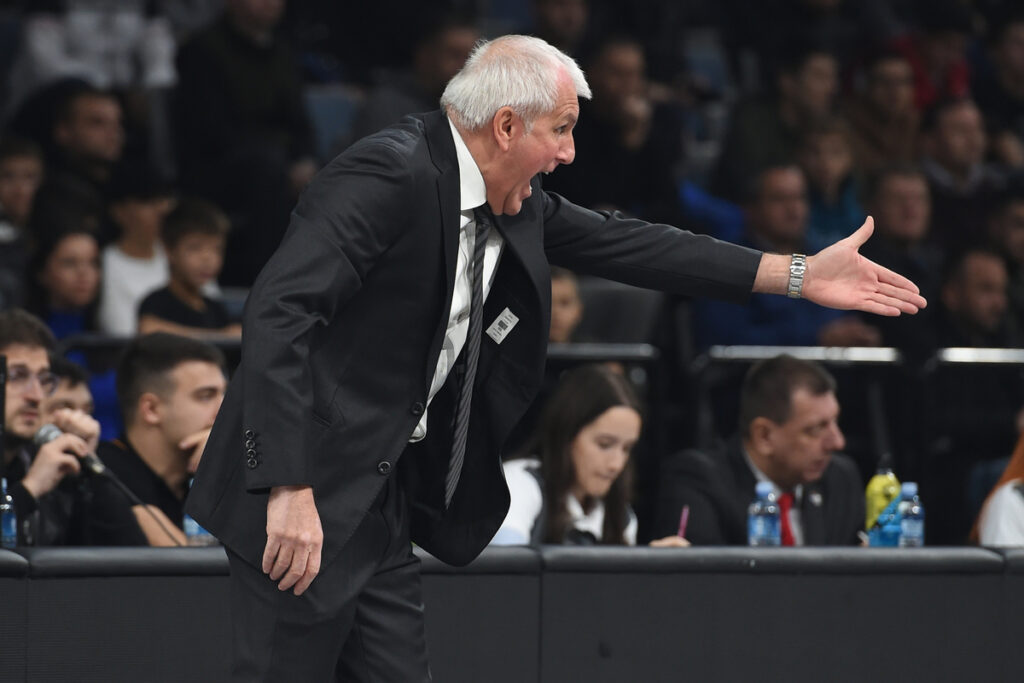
[(582, 395)]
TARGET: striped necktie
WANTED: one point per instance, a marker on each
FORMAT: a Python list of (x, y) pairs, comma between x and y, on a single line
[(483, 217)]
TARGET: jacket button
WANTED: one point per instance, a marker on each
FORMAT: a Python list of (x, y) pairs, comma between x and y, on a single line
[(252, 463), (417, 408), (249, 443), (383, 467), (251, 453), (249, 434)]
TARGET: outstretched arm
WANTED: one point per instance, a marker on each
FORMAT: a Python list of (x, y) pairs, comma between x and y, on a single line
[(839, 277)]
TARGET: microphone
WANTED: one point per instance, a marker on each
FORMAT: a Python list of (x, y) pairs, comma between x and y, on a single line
[(48, 432)]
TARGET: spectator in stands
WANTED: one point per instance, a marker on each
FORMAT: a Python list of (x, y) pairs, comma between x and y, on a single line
[(563, 23), (72, 389), (566, 305), (937, 51), (65, 271), (776, 220), (1006, 230), (767, 132), (628, 144), (963, 186), (576, 488), (193, 235), (789, 436), (1001, 94), (135, 263), (56, 504), (883, 119), (87, 141), (21, 172), (1001, 522), (899, 200), (437, 56), (243, 134), (974, 302), (170, 389), (826, 157)]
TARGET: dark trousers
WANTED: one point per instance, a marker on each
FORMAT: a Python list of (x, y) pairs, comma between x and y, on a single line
[(360, 620)]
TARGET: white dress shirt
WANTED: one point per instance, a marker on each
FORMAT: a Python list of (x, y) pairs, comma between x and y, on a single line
[(473, 193)]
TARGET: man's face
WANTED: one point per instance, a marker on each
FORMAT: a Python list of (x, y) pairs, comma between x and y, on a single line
[(903, 208), (979, 297), (959, 138), (548, 144), (29, 382), (815, 85), (76, 397), (193, 404), (561, 22), (891, 86), (71, 275), (1008, 231), (801, 447), (827, 159), (93, 129), (19, 179), (1009, 54), (196, 259), (780, 213), (440, 60), (618, 75), (264, 14)]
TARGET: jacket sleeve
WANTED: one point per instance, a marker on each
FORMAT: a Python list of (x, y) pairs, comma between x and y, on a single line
[(651, 255), (345, 220)]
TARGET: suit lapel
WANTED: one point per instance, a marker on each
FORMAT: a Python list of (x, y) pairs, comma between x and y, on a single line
[(812, 515), (449, 193)]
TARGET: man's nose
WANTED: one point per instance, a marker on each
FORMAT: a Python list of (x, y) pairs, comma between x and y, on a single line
[(568, 151), (836, 440)]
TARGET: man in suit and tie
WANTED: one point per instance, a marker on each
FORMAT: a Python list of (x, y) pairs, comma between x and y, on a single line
[(395, 338), (789, 437)]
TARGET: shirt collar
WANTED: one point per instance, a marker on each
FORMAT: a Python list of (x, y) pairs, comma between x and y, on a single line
[(473, 192), (798, 490)]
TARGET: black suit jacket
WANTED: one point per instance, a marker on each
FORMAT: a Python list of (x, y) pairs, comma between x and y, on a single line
[(344, 325), (719, 486)]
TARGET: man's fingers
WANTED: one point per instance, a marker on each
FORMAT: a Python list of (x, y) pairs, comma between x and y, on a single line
[(270, 554), (284, 560), (296, 570), (895, 279), (312, 569), (861, 235)]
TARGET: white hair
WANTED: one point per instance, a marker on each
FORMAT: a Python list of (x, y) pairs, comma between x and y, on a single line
[(521, 72)]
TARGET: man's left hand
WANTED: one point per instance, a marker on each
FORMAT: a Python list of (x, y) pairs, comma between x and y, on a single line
[(839, 277)]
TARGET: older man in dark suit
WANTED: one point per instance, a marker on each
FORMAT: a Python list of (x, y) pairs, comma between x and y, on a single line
[(790, 437), (394, 340)]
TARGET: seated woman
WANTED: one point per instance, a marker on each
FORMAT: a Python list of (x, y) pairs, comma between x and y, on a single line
[(577, 492), (1001, 522)]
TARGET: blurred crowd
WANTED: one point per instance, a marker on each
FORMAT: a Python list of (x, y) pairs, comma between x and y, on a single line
[(151, 152)]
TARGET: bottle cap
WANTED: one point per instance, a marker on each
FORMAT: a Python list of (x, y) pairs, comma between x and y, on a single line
[(764, 488), (909, 489)]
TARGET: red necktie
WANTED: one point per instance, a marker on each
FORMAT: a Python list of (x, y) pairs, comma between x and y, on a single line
[(785, 504)]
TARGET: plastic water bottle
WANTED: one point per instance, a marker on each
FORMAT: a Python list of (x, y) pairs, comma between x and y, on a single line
[(763, 521), (8, 518), (195, 534), (911, 517)]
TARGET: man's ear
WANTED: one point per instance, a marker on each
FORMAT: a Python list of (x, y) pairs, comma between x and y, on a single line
[(504, 127), (761, 429), (149, 409)]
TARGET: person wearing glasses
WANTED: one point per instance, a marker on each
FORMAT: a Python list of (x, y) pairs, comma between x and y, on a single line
[(56, 504)]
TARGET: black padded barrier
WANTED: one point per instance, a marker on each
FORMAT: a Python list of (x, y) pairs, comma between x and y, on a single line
[(556, 615)]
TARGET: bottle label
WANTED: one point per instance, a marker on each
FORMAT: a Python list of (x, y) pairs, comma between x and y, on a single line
[(912, 533), (764, 530)]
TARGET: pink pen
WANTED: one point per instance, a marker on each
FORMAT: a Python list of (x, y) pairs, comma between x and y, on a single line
[(683, 519)]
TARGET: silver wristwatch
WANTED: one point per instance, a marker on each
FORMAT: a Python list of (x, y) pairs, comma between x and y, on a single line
[(797, 268)]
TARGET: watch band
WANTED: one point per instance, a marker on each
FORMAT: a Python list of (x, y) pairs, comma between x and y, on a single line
[(797, 268)]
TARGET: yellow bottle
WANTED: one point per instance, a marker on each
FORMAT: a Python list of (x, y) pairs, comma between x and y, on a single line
[(883, 488)]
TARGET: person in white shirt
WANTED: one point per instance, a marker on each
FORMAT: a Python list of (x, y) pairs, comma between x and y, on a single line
[(1001, 522), (577, 492)]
